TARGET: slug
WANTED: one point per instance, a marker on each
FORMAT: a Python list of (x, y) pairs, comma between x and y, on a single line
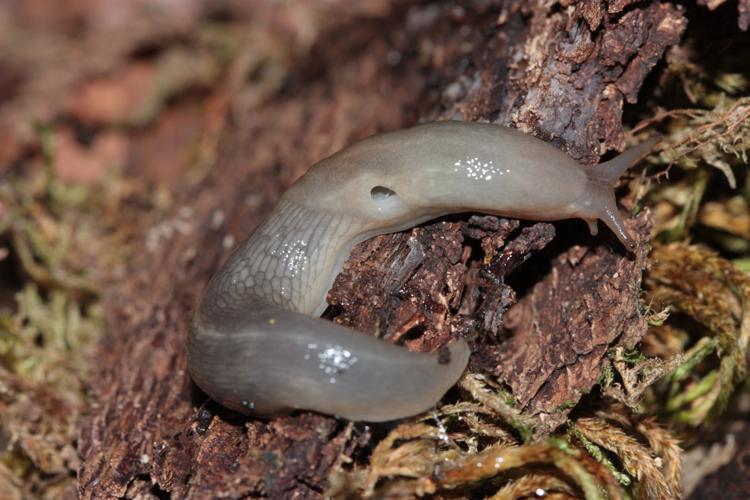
[(254, 343)]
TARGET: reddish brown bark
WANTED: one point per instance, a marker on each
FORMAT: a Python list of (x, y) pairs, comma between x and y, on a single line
[(561, 73)]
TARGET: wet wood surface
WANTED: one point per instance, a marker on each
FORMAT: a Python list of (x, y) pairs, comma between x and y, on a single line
[(540, 303)]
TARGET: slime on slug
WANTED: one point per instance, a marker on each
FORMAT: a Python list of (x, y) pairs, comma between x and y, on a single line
[(254, 343)]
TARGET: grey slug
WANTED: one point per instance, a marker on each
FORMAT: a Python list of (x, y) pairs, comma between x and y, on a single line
[(255, 345)]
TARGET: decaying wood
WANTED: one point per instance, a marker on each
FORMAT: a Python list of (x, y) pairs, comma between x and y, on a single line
[(561, 72), (604, 312)]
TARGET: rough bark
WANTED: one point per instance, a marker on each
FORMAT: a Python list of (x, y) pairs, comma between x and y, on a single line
[(562, 73)]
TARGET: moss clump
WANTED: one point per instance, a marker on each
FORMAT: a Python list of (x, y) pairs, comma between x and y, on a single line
[(63, 242)]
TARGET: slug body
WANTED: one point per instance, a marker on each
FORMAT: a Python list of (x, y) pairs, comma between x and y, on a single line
[(254, 344)]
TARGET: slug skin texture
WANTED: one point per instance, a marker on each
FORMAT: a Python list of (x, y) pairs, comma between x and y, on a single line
[(255, 344)]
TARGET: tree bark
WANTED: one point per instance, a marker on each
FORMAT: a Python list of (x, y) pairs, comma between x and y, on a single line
[(562, 72)]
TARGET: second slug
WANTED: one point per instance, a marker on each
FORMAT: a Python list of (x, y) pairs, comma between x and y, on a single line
[(255, 345)]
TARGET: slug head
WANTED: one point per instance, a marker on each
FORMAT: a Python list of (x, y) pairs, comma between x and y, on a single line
[(599, 204), (599, 200)]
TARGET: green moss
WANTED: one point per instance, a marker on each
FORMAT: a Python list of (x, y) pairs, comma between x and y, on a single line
[(66, 240)]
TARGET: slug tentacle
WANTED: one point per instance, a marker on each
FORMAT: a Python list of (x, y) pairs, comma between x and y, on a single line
[(609, 172), (254, 345), (611, 216), (599, 201)]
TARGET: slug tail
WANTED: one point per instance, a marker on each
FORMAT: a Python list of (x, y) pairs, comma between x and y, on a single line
[(610, 171), (280, 361)]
